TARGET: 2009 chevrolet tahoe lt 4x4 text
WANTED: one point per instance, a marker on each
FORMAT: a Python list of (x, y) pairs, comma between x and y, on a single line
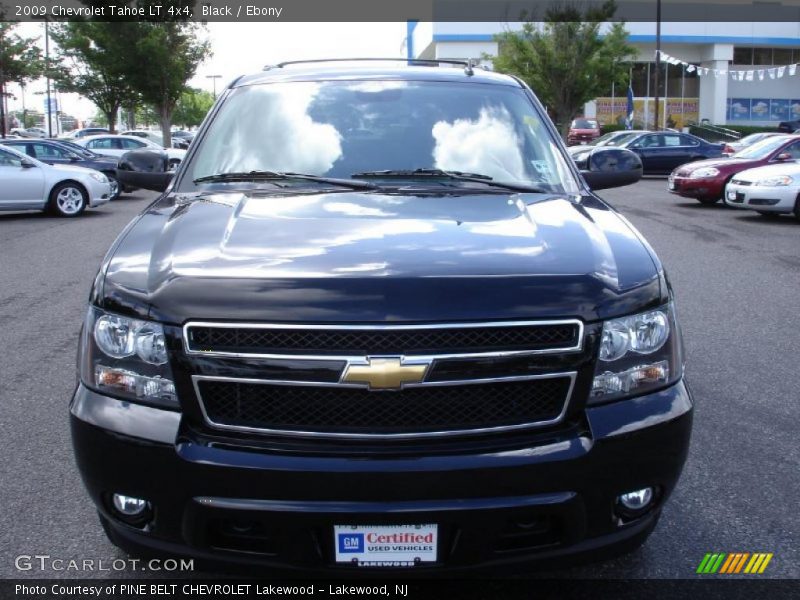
[(379, 319)]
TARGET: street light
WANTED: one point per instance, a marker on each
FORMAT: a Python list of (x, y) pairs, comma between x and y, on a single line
[(214, 79), (658, 58)]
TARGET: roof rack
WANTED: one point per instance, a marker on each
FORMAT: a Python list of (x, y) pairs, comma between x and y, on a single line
[(467, 64)]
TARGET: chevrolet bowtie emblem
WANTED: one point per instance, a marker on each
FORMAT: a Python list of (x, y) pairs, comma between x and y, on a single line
[(384, 373)]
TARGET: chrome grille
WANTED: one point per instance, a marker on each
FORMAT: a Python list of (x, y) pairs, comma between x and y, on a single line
[(331, 340), (341, 411)]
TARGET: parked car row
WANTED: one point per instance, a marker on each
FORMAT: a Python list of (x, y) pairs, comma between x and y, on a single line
[(27, 183), (660, 151), (764, 177)]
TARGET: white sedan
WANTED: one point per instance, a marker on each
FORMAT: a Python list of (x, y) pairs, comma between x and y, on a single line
[(769, 190), (64, 190), (117, 145)]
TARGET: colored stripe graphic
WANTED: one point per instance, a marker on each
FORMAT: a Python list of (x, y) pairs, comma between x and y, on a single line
[(728, 564)]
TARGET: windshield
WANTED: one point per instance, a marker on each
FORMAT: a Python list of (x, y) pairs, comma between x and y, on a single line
[(762, 149), (584, 124), (615, 138), (338, 129)]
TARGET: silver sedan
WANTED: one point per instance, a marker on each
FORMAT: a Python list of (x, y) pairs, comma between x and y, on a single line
[(29, 184)]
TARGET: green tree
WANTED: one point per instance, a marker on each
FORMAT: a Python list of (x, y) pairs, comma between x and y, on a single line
[(175, 49), (20, 61), (564, 59), (192, 107), (95, 62)]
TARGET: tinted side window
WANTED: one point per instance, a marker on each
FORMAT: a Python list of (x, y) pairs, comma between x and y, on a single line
[(687, 141), (102, 144), (649, 141), (793, 150), (44, 151), (131, 144)]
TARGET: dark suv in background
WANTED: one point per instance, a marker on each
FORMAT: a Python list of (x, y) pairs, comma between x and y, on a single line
[(378, 319)]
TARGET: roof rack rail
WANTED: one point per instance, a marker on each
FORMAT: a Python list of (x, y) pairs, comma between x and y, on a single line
[(467, 64)]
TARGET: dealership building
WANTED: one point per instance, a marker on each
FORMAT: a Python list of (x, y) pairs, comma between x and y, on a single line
[(726, 73)]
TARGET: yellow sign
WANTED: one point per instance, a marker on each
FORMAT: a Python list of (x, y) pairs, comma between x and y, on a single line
[(674, 113), (384, 373)]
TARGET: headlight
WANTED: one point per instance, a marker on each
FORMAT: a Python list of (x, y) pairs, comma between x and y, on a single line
[(126, 357), (778, 180), (703, 173), (638, 354), (98, 176)]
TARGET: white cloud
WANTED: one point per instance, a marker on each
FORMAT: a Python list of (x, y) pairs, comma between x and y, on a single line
[(489, 145)]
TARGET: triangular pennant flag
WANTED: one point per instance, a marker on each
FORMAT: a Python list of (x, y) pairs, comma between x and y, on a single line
[(781, 71), (761, 74), (771, 73), (690, 69), (748, 76), (792, 69)]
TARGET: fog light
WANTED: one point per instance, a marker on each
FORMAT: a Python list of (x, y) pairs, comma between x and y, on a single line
[(636, 501), (129, 506)]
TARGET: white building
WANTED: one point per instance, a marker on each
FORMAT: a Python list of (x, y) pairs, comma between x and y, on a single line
[(753, 76)]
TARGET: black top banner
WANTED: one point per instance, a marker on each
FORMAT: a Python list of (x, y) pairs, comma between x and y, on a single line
[(389, 10), (397, 589)]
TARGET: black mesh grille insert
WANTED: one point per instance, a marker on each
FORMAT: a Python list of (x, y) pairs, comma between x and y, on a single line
[(360, 411), (453, 340)]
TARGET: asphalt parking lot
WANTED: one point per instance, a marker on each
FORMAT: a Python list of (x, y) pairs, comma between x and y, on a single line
[(737, 279)]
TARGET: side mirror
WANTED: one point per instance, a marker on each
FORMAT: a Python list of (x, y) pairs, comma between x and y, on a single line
[(608, 167), (784, 156), (26, 164), (144, 168)]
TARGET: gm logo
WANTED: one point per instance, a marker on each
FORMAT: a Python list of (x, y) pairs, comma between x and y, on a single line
[(351, 542)]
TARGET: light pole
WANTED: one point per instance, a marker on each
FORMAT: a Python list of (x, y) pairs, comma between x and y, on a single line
[(214, 79), (658, 57)]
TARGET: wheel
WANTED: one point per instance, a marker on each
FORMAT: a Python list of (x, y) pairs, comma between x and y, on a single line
[(797, 208), (768, 215), (173, 164), (68, 199), (708, 201), (116, 190)]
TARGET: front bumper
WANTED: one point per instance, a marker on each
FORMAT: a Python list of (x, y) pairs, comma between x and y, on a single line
[(201, 492), (99, 193), (778, 199), (707, 187)]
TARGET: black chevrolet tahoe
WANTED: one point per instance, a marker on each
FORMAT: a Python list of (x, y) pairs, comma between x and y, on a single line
[(379, 320)]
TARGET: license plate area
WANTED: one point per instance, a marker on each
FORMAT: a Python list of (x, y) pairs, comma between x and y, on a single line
[(386, 545)]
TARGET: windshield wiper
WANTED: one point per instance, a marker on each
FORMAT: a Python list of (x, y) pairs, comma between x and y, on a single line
[(456, 175), (282, 176)]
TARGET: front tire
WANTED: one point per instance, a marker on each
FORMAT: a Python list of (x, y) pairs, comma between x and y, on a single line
[(68, 199)]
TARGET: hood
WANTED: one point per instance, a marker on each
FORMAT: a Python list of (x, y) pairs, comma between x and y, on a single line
[(792, 169), (355, 256), (723, 164), (75, 170)]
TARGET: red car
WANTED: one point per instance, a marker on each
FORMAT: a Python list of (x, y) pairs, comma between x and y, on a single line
[(705, 180), (582, 131)]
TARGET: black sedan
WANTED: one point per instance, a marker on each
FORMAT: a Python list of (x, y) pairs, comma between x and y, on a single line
[(663, 151), (55, 152), (789, 126)]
